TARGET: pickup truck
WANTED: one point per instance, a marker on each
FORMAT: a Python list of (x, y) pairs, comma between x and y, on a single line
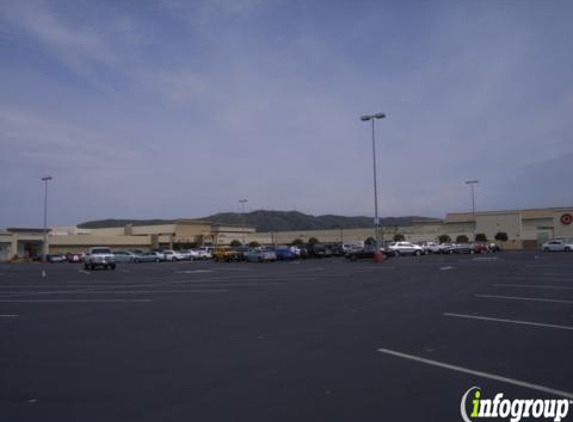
[(99, 257)]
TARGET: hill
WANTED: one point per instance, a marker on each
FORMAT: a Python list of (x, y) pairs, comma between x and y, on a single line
[(267, 221)]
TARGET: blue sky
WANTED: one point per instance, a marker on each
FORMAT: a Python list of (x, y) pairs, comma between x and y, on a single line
[(163, 109)]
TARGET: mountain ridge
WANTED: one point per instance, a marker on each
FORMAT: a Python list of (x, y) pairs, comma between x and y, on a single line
[(268, 221)]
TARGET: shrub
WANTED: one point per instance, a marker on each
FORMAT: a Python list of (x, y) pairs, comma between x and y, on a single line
[(444, 238), (399, 237), (462, 238), (235, 243), (501, 236), (480, 237)]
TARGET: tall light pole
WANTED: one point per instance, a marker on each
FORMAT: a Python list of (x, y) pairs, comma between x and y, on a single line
[(243, 202), (472, 183), (45, 179), (372, 118)]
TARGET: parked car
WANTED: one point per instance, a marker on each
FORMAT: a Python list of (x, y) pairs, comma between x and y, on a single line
[(73, 258), (405, 248), (150, 256), (227, 254), (56, 258), (204, 253), (447, 248), (319, 250), (124, 256), (365, 253), (465, 248), (285, 254), (100, 256), (188, 254), (430, 247), (261, 255), (350, 247), (558, 245), (171, 255)]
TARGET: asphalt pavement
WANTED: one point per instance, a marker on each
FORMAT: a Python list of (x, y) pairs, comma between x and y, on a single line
[(315, 340)]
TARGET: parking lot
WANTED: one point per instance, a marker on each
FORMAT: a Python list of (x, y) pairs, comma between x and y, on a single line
[(315, 340)]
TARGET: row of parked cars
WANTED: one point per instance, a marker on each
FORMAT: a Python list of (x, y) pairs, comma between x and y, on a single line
[(424, 248)]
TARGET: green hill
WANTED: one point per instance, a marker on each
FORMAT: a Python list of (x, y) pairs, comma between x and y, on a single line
[(267, 221)]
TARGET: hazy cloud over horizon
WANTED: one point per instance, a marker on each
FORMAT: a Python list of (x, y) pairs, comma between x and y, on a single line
[(162, 109)]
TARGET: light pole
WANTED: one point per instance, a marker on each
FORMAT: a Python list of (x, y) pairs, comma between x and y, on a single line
[(45, 179), (243, 202), (372, 118), (472, 183)]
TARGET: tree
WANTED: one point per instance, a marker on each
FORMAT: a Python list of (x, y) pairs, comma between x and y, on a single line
[(235, 243), (297, 242), (254, 244), (481, 237), (462, 238), (399, 237), (501, 236), (370, 241), (444, 238), (312, 240)]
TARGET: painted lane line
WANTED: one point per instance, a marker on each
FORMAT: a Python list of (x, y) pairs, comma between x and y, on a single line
[(531, 299), (509, 321), (84, 272), (536, 286), (449, 267), (193, 272), (75, 300), (9, 316), (481, 374)]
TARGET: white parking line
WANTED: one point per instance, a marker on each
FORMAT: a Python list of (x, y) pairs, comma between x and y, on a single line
[(531, 299), (481, 374), (74, 300), (9, 316), (509, 321), (536, 286), (84, 272)]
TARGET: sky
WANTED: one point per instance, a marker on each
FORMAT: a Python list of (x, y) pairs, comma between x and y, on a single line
[(175, 109)]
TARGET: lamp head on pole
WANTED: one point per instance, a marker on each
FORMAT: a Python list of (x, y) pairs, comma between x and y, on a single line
[(46, 178), (368, 117), (471, 182)]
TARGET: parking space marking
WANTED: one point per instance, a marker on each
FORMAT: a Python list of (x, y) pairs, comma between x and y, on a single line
[(536, 286), (480, 374), (531, 299), (74, 300), (9, 316), (509, 321), (84, 272)]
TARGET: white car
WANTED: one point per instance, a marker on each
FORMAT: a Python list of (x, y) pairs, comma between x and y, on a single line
[(558, 245), (405, 248), (171, 255), (430, 247), (203, 253)]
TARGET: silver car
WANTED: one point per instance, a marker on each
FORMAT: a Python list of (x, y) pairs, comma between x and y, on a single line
[(558, 245)]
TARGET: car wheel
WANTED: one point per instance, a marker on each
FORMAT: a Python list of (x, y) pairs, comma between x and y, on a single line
[(418, 253), (567, 249), (112, 267), (546, 250), (396, 253), (353, 258), (472, 252)]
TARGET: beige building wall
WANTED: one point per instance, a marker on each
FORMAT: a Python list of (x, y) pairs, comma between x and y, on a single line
[(492, 223), (81, 243)]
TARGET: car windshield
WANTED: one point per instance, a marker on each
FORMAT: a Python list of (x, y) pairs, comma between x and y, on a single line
[(101, 251)]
